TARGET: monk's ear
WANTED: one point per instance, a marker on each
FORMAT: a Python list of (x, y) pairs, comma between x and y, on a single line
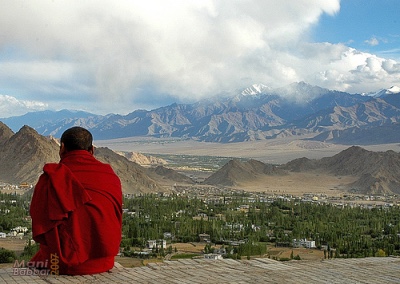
[(62, 150), (91, 150)]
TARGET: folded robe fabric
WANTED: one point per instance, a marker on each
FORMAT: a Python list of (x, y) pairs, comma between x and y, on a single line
[(76, 212)]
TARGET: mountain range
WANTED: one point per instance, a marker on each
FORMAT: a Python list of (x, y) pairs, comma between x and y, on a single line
[(23, 154), (374, 172), (255, 113)]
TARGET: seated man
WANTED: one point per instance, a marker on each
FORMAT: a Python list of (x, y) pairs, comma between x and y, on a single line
[(76, 210)]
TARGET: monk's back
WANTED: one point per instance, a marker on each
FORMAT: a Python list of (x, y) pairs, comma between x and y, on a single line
[(98, 216), (76, 214)]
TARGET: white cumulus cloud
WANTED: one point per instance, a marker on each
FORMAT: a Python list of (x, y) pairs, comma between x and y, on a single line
[(10, 106), (116, 56)]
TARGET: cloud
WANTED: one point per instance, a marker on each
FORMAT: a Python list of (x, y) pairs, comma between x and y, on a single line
[(357, 72), (391, 66), (372, 41), (107, 55), (10, 106)]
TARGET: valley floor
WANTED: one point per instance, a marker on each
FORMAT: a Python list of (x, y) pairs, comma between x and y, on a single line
[(299, 184), (276, 151)]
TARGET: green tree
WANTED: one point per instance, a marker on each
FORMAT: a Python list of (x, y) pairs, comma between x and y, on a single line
[(6, 256)]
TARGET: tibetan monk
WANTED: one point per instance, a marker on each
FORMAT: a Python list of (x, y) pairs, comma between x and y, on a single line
[(76, 210)]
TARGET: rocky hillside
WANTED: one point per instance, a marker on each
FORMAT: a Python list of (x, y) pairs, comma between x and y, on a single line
[(378, 172), (162, 173), (367, 135), (23, 155), (133, 177), (141, 159), (5, 133)]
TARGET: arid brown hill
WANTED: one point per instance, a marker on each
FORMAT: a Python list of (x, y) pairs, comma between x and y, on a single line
[(23, 155), (378, 172), (142, 159), (133, 177), (300, 165), (234, 172), (163, 173), (5, 133)]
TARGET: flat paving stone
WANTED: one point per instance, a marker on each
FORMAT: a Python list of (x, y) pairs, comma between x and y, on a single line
[(260, 270)]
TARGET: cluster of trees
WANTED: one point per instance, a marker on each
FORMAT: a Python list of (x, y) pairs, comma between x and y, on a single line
[(9, 256), (343, 232), (350, 231), (14, 209), (6, 256)]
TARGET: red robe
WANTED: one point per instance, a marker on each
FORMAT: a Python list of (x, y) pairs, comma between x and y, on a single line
[(76, 212)]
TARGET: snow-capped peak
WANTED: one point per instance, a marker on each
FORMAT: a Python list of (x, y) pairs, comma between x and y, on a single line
[(393, 90), (255, 90), (385, 92)]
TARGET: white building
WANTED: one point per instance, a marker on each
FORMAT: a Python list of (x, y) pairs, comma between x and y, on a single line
[(167, 235), (157, 244), (303, 243), (213, 256), (20, 229)]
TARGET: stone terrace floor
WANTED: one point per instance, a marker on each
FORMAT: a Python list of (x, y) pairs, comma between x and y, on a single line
[(260, 270)]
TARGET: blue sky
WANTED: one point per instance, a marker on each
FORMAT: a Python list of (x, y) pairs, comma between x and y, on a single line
[(109, 56), (367, 25)]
